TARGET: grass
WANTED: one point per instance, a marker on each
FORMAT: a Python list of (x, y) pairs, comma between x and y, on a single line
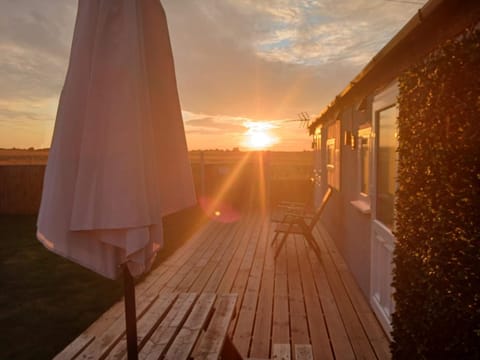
[(47, 301)]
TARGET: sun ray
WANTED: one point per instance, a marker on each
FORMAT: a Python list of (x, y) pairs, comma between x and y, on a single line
[(262, 183), (212, 208)]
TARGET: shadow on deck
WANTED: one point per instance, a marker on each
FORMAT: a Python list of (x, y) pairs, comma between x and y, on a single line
[(297, 299)]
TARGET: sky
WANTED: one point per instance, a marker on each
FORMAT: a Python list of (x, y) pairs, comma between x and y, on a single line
[(243, 67)]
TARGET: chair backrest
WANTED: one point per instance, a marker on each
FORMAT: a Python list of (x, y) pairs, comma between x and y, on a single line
[(320, 209)]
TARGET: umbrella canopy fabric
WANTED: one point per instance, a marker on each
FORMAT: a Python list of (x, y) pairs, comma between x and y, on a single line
[(118, 161)]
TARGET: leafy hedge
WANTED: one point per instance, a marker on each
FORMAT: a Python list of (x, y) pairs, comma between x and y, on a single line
[(437, 257)]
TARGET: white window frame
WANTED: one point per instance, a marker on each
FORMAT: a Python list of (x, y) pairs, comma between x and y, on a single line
[(362, 202), (365, 132), (333, 160)]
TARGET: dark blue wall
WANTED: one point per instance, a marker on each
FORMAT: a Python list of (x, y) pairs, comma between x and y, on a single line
[(349, 228)]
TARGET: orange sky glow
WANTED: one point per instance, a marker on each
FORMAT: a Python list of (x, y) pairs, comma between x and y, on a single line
[(245, 68)]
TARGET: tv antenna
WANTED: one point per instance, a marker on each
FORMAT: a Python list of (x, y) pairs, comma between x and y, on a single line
[(303, 118)]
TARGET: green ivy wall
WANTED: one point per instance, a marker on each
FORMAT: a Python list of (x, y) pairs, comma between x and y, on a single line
[(437, 256)]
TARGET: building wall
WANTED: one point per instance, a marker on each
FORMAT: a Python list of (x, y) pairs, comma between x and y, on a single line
[(355, 245), (331, 217), (346, 224)]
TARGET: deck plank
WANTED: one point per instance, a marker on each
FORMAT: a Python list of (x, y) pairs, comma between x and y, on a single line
[(184, 269), (229, 276), (228, 242), (371, 325), (307, 303), (281, 352), (164, 334), (358, 339), (238, 277), (145, 326), (243, 273), (211, 343), (75, 347), (281, 319), (260, 346), (202, 260), (321, 346), (298, 317), (246, 316), (187, 337), (303, 352), (226, 265), (338, 335), (104, 343)]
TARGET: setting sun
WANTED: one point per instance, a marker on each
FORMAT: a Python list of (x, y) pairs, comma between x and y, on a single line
[(259, 136)]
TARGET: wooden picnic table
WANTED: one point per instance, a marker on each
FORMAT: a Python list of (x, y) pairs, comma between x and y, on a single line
[(174, 326)]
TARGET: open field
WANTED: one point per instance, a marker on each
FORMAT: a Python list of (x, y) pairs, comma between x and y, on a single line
[(23, 156), (39, 157)]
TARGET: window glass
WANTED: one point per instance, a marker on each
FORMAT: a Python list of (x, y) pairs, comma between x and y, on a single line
[(386, 165), (364, 149), (331, 153)]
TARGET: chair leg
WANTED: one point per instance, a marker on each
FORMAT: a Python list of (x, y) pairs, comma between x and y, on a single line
[(282, 242), (274, 238), (313, 244)]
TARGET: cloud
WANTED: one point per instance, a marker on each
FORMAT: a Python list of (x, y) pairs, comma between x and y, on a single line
[(27, 74), (319, 32), (198, 123), (27, 109), (273, 59), (223, 131), (242, 59), (216, 124), (9, 115), (34, 42)]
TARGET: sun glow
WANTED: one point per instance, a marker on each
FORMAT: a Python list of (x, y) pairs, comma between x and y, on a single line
[(258, 135)]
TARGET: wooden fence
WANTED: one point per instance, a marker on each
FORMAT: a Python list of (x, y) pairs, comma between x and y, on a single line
[(21, 185), (20, 188)]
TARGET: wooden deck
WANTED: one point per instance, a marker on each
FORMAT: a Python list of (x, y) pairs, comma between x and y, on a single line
[(297, 299)]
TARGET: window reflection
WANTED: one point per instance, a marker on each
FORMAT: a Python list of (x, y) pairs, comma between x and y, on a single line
[(386, 165)]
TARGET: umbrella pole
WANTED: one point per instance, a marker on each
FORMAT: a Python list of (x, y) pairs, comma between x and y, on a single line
[(130, 314)]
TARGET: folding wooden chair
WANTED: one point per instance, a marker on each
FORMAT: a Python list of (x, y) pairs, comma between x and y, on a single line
[(300, 224), (290, 208)]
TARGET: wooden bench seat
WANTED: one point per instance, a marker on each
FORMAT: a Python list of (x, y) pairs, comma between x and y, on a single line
[(172, 326), (283, 352)]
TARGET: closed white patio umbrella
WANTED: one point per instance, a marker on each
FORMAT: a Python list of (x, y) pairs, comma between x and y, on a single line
[(118, 161)]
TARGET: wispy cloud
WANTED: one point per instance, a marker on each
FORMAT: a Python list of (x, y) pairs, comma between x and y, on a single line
[(275, 58), (318, 32), (34, 43)]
